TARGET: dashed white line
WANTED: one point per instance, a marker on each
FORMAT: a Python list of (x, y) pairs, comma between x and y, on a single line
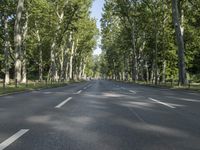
[(79, 92), (132, 91), (85, 88), (63, 103), (13, 138), (159, 102)]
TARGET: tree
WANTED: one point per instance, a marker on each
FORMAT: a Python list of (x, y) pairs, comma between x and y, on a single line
[(180, 43), (18, 40), (52, 39), (140, 35)]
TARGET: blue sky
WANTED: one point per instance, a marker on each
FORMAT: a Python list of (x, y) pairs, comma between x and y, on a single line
[(96, 12)]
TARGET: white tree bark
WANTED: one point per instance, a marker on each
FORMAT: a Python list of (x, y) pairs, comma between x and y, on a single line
[(6, 49), (180, 43), (53, 62), (53, 68), (24, 35), (71, 61), (163, 71), (18, 41)]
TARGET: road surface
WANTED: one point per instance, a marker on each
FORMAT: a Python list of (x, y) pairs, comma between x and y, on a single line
[(101, 115)]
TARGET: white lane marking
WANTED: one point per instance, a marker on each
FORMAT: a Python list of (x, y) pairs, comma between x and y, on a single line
[(123, 88), (132, 91), (63, 103), (79, 92), (85, 88), (13, 138), (159, 102)]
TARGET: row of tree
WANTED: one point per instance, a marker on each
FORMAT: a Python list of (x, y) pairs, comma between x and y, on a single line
[(151, 40), (51, 39)]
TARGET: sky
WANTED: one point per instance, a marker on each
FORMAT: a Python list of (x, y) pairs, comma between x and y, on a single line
[(96, 12)]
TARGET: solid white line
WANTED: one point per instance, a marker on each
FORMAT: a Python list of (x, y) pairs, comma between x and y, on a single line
[(63, 103), (132, 91), (159, 102), (13, 138)]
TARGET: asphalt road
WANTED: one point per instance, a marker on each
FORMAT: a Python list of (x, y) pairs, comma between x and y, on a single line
[(101, 115)]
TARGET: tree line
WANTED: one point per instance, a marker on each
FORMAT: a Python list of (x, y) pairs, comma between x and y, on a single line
[(46, 39), (151, 40)]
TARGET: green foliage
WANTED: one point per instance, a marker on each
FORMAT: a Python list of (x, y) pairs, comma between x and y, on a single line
[(154, 39), (62, 22)]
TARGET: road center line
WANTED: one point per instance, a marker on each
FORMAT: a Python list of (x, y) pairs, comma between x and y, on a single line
[(13, 138), (132, 91), (63, 103), (159, 102)]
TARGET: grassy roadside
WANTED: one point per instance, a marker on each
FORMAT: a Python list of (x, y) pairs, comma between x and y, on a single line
[(9, 89), (191, 86)]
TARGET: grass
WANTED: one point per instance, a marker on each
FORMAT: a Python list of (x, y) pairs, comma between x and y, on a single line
[(191, 86), (31, 86)]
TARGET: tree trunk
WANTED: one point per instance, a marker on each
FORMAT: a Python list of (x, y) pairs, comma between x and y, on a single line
[(53, 62), (147, 71), (67, 72), (53, 68), (163, 43), (83, 71), (65, 64), (156, 53), (24, 34), (62, 62), (164, 71), (40, 66), (18, 41), (135, 62), (71, 61), (40, 56), (6, 49), (24, 69), (180, 43)]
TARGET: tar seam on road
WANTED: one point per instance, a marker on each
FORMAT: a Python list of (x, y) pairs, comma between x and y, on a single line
[(88, 86), (13, 138), (63, 103), (137, 115), (159, 102)]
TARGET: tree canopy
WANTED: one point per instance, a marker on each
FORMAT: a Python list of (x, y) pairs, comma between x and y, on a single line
[(46, 39), (151, 40)]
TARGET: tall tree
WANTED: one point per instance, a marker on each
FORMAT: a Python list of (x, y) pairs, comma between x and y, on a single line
[(18, 40), (180, 43)]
